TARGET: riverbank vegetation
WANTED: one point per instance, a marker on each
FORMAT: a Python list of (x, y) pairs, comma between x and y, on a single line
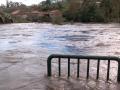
[(5, 18), (59, 11)]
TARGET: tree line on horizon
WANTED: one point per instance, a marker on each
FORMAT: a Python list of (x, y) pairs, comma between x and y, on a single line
[(74, 10), (89, 10)]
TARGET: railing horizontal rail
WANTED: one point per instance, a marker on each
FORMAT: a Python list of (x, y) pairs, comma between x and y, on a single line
[(84, 57), (81, 57)]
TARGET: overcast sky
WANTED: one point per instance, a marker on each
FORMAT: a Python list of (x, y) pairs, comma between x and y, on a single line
[(27, 2)]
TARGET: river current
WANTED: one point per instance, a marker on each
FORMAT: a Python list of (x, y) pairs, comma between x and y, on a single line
[(24, 48)]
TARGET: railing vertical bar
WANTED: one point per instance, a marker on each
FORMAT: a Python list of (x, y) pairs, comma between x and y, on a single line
[(98, 68), (68, 67), (88, 66), (78, 68), (118, 74), (59, 67), (49, 68), (108, 70)]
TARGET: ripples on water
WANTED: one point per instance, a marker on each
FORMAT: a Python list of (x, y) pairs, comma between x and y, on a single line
[(101, 39)]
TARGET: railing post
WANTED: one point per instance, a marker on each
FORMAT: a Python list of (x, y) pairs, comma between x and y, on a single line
[(68, 67), (88, 68), (98, 69), (118, 75), (108, 70), (49, 73)]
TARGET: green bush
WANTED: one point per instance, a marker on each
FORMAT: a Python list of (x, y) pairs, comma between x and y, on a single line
[(91, 14), (5, 18), (1, 19), (45, 18)]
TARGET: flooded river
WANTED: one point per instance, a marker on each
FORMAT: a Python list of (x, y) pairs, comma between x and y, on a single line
[(24, 49)]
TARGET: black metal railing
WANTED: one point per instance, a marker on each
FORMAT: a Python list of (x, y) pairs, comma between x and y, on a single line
[(79, 57)]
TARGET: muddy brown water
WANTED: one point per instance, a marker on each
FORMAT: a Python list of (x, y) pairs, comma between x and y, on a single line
[(24, 49)]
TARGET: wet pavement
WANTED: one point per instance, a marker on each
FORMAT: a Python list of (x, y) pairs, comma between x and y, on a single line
[(24, 49)]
